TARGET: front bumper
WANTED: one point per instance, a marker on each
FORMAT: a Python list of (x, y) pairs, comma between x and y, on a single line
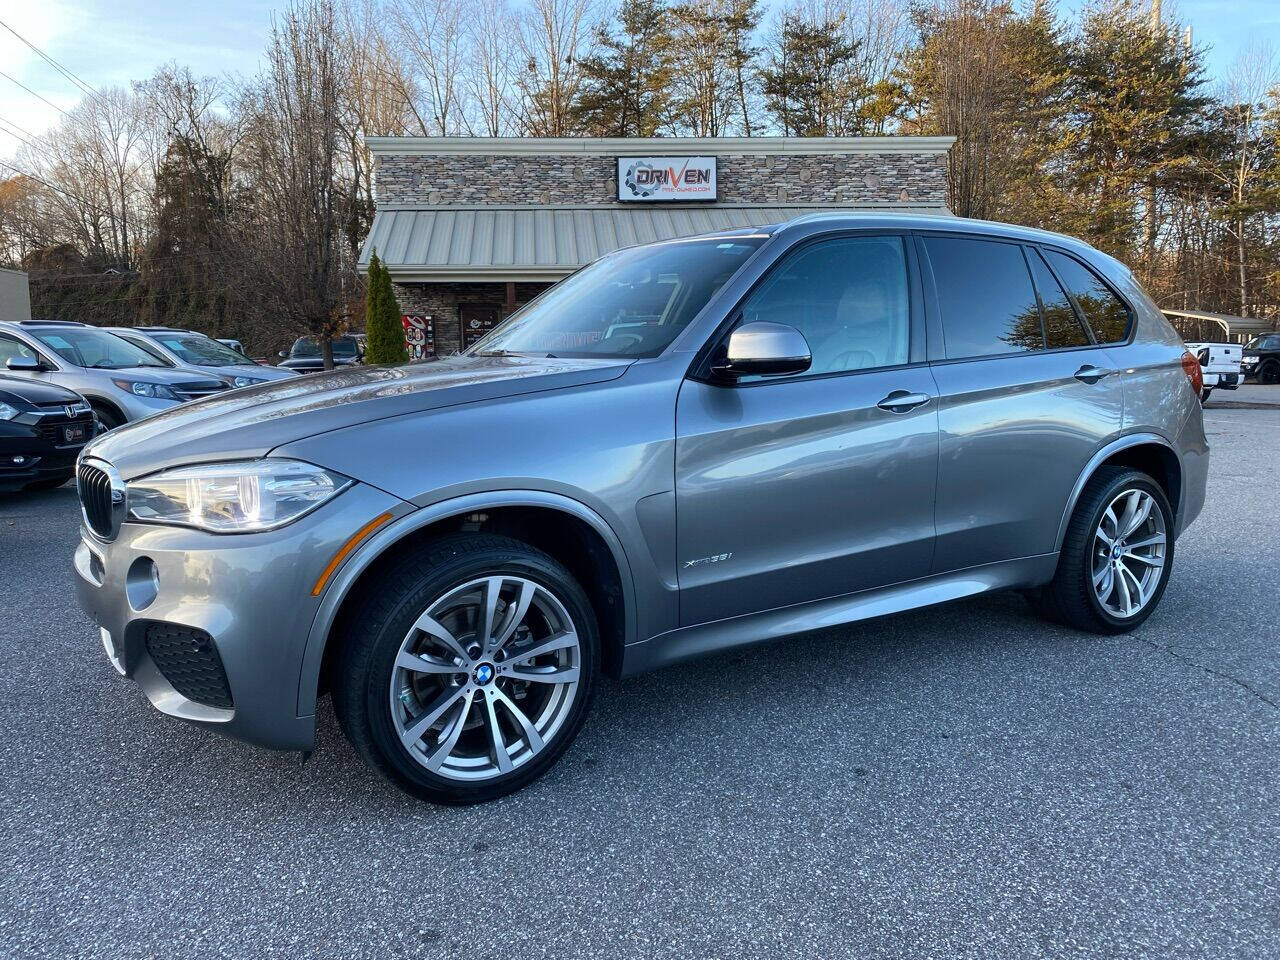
[(136, 407), (249, 593), (41, 457)]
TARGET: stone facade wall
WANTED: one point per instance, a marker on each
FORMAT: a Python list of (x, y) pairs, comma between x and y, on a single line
[(442, 302), (433, 180)]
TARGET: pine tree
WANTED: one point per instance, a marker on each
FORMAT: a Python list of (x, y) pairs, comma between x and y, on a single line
[(808, 84), (626, 86), (382, 317)]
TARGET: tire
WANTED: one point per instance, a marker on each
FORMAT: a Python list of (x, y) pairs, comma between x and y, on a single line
[(1071, 598), (1269, 373), (1204, 396), (380, 703), (50, 483), (107, 417)]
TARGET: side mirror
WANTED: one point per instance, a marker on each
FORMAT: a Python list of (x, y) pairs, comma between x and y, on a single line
[(764, 349), (284, 354), (26, 364)]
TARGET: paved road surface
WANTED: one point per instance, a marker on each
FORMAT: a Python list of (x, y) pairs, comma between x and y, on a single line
[(961, 782)]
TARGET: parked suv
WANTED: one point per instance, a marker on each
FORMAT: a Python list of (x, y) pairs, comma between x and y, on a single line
[(202, 355), (305, 356), (42, 429), (1262, 358), (682, 448), (120, 381)]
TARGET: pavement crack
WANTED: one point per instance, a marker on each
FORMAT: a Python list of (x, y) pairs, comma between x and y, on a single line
[(1211, 671)]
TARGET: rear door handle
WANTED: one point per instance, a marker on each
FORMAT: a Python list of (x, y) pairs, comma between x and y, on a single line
[(1090, 374), (900, 401)]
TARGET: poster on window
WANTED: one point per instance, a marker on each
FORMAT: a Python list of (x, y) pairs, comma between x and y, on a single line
[(419, 336)]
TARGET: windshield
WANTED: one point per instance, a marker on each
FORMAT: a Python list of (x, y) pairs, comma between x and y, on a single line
[(88, 347), (199, 350), (310, 347), (1265, 341), (629, 304)]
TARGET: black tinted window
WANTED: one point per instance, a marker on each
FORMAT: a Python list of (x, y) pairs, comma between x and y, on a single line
[(1062, 326), (848, 297), (985, 296), (1105, 312)]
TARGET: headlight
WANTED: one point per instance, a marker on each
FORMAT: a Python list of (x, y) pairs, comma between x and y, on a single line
[(145, 388), (246, 381), (238, 497), (8, 412)]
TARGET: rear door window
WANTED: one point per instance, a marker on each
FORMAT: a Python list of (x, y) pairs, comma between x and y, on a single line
[(1062, 326), (985, 297), (1104, 311)]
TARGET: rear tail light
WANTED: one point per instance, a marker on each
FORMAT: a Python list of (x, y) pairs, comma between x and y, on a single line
[(1195, 376)]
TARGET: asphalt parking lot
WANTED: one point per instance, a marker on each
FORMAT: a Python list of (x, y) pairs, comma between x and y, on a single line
[(965, 781)]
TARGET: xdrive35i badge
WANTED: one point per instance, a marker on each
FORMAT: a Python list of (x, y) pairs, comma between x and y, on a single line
[(719, 557)]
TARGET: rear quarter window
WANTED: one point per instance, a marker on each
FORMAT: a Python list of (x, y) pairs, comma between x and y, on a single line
[(1103, 310)]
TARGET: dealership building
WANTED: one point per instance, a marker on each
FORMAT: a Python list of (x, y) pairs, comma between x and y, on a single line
[(471, 228)]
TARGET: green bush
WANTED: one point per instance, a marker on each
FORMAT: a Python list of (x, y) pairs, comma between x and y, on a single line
[(382, 317)]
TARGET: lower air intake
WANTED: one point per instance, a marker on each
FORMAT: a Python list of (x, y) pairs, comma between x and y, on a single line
[(189, 660)]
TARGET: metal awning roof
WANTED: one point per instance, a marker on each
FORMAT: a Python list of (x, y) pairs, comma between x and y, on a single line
[(445, 244), (1231, 325)]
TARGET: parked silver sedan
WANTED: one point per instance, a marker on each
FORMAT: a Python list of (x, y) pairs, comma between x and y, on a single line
[(194, 351), (685, 447)]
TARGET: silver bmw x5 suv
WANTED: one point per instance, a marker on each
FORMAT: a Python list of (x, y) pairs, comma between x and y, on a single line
[(682, 448)]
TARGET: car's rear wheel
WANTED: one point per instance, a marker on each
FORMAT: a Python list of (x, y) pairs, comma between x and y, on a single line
[(1116, 556), (469, 670)]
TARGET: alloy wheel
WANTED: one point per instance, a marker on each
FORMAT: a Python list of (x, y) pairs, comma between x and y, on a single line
[(485, 677), (1129, 550)]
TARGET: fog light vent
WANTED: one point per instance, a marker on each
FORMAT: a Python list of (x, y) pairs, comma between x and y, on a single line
[(189, 660)]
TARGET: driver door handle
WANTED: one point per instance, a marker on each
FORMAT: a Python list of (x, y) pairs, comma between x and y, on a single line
[(900, 401), (1090, 374)]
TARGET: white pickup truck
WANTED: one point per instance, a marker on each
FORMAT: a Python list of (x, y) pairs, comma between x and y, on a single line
[(1220, 363)]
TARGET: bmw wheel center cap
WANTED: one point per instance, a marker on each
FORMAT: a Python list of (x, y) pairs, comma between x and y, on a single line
[(483, 673)]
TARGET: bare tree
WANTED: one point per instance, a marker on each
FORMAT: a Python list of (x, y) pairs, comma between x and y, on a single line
[(293, 136), (431, 33), (1244, 96), (555, 36), (489, 74)]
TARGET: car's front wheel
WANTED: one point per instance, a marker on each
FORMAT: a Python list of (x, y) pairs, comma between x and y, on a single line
[(1116, 555), (1269, 372), (468, 668)]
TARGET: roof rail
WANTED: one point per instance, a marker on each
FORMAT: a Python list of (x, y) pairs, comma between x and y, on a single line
[(52, 323)]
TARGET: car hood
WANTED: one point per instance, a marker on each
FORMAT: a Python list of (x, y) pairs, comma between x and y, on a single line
[(19, 389), (157, 374), (316, 361), (252, 421), (259, 370)]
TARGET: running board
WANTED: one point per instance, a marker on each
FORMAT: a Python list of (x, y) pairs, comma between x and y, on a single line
[(687, 643)]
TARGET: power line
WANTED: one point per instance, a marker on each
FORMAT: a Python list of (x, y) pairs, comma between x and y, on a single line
[(49, 60), (33, 93)]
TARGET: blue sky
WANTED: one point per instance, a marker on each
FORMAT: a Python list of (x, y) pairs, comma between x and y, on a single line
[(114, 41)]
